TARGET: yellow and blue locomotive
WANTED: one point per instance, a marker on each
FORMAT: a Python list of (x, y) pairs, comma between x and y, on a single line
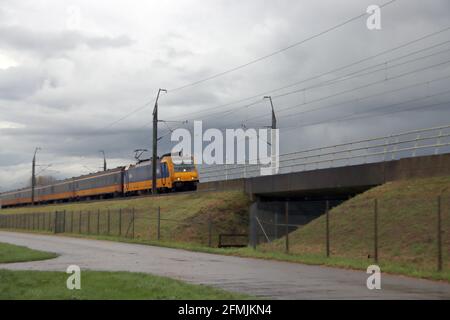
[(122, 181)]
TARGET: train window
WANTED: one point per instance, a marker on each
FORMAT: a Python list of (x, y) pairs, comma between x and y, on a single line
[(165, 171), (184, 167)]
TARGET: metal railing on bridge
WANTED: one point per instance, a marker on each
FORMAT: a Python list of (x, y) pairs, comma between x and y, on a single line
[(385, 148)]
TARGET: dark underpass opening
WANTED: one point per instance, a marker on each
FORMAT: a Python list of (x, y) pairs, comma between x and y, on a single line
[(272, 217)]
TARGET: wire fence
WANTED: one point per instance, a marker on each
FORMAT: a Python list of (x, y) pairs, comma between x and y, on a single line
[(411, 231), (124, 223), (408, 231)]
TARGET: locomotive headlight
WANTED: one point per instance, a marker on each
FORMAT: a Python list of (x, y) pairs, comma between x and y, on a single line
[(178, 179)]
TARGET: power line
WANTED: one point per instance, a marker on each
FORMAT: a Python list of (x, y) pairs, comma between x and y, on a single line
[(346, 77), (367, 97), (356, 74), (278, 51), (428, 82), (360, 87), (125, 117), (292, 84), (259, 95), (373, 109), (361, 98)]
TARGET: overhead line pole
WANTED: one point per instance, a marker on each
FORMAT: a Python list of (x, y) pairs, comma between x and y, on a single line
[(33, 175), (155, 141), (273, 142), (104, 160)]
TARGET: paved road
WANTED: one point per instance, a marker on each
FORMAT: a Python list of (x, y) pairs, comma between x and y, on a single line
[(272, 279)]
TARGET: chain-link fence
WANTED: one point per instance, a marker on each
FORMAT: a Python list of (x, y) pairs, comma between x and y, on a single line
[(205, 229), (407, 231)]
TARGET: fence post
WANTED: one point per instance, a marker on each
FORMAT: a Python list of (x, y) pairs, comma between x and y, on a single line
[(49, 222), (439, 235), (98, 222), (79, 222), (375, 229), (159, 223), (54, 221), (64, 225), (120, 222), (71, 222), (109, 221), (286, 213), (209, 230), (89, 223), (132, 230), (327, 224)]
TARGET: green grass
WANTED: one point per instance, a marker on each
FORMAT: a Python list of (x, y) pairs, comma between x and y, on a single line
[(262, 252), (184, 216), (44, 285), (11, 253), (407, 228)]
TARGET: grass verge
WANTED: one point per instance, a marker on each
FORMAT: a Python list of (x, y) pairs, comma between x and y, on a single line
[(11, 253), (390, 267), (45, 285)]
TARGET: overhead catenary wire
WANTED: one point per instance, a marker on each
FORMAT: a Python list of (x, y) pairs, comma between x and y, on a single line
[(359, 99), (346, 77), (281, 110), (259, 95), (428, 96), (411, 42), (254, 61), (350, 116), (264, 58)]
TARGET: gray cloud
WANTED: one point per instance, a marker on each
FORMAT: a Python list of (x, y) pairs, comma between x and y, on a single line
[(54, 43), (20, 82), (67, 86)]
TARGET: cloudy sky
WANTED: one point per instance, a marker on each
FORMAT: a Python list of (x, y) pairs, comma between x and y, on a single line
[(77, 77)]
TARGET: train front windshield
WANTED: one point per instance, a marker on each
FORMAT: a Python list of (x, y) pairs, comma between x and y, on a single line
[(184, 167)]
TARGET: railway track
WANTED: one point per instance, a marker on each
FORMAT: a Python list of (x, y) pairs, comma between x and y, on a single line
[(121, 198)]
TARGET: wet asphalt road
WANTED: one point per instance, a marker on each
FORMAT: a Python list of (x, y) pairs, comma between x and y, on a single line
[(270, 279)]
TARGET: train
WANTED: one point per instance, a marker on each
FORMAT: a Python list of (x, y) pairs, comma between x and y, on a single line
[(131, 180)]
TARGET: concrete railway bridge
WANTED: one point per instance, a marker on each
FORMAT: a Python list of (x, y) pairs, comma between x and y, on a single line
[(310, 180)]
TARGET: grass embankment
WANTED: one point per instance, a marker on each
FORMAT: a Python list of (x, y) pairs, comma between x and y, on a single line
[(407, 215), (184, 217), (103, 285), (11, 253), (407, 230)]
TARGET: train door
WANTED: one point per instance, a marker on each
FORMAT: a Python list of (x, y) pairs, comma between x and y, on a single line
[(164, 174), (126, 180)]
